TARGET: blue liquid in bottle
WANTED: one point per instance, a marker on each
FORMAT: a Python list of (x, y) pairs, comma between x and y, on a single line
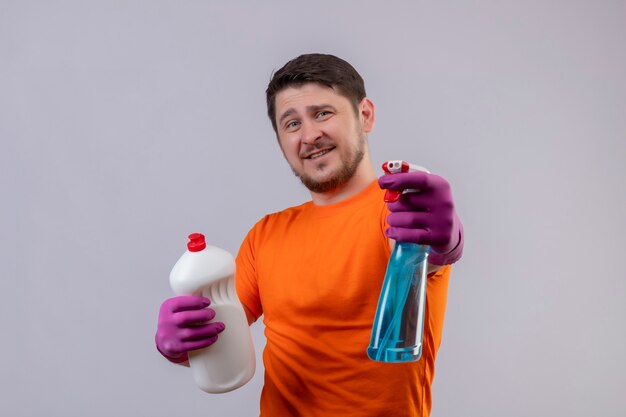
[(398, 328)]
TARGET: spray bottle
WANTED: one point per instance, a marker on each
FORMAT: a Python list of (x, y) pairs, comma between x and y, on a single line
[(398, 328), (210, 271)]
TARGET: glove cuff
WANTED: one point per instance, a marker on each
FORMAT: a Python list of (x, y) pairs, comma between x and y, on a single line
[(450, 257)]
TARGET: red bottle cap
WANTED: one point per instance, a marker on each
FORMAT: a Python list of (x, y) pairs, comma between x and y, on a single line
[(196, 242)]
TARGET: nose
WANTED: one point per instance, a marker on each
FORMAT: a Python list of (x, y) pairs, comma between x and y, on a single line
[(310, 133)]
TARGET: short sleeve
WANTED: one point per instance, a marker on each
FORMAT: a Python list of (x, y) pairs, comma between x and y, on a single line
[(246, 279)]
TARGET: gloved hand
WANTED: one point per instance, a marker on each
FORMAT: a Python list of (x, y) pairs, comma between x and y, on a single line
[(183, 327), (425, 217)]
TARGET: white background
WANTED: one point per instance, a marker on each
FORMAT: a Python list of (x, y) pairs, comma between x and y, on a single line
[(126, 125)]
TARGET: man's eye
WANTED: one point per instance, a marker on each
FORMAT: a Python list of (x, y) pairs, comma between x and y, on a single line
[(323, 114), (291, 125)]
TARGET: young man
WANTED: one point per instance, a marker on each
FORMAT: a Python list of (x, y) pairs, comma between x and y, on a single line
[(315, 271)]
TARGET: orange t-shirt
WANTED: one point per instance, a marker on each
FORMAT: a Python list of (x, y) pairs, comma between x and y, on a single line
[(315, 274)]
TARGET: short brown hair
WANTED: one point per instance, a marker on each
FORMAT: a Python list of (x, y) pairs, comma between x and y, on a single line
[(327, 70)]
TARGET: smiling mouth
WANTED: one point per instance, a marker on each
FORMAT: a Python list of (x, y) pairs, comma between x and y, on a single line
[(319, 154)]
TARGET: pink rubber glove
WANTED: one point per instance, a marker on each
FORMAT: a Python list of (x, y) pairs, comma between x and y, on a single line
[(183, 327), (426, 217)]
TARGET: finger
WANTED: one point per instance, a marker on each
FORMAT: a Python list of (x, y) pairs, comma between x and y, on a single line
[(399, 234), (193, 317), (198, 344), (423, 236), (186, 302), (428, 201), (410, 220), (414, 180), (205, 331), (413, 201)]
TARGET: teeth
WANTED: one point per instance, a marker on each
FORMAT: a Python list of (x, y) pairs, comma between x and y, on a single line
[(317, 155)]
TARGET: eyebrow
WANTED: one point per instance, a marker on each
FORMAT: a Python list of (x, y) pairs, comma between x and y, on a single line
[(310, 109)]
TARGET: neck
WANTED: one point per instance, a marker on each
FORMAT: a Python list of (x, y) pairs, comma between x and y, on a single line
[(361, 179)]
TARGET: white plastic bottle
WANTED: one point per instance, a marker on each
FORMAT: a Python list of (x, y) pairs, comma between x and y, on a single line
[(210, 271)]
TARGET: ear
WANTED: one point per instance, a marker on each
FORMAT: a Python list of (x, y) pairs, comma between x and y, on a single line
[(366, 114)]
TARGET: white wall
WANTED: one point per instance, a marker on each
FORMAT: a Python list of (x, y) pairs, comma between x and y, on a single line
[(119, 124)]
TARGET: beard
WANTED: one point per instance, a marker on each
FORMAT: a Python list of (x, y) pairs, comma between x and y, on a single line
[(349, 164)]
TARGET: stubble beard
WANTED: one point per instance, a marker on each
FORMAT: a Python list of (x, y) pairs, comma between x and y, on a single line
[(349, 165)]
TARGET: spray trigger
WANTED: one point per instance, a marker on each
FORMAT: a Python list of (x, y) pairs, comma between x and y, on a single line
[(392, 196), (395, 167)]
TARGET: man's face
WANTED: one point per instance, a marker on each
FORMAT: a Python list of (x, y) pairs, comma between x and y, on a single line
[(322, 138)]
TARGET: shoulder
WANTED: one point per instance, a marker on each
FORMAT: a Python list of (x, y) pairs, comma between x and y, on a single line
[(280, 219)]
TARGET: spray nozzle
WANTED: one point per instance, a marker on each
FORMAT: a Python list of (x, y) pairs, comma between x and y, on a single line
[(396, 167)]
